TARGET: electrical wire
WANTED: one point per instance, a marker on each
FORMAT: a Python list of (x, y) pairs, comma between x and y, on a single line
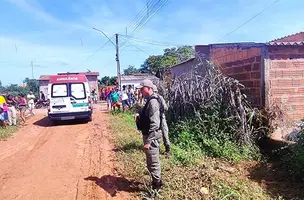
[(246, 22), (150, 41), (141, 14), (165, 2), (98, 50), (144, 13), (145, 21), (136, 48)]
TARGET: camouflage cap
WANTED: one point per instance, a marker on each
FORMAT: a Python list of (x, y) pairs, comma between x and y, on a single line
[(155, 88), (146, 83)]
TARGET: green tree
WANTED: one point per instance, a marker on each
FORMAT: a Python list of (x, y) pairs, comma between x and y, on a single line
[(106, 80), (2, 88), (113, 80), (144, 68), (171, 56), (32, 85), (153, 63), (168, 61), (131, 70), (185, 53)]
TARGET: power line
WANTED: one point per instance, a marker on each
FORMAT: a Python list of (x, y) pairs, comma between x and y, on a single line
[(104, 35), (138, 49), (246, 22), (97, 50), (133, 22), (151, 16), (144, 21), (143, 13), (151, 42)]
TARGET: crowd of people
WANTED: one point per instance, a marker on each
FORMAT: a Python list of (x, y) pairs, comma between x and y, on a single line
[(12, 106), (125, 98)]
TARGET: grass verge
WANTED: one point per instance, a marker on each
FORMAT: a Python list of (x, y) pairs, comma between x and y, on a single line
[(185, 173), (7, 132)]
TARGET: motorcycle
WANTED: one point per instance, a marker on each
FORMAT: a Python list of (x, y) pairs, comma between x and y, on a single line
[(40, 104)]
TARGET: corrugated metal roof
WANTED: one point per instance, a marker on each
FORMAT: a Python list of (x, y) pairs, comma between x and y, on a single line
[(286, 43), (297, 37), (44, 78), (137, 77), (190, 59)]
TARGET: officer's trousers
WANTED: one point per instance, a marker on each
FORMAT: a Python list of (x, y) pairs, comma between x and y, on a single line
[(165, 132), (153, 161)]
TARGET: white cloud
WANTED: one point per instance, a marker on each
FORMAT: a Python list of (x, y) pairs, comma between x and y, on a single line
[(34, 8)]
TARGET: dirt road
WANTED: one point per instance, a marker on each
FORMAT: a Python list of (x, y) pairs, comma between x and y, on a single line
[(67, 161)]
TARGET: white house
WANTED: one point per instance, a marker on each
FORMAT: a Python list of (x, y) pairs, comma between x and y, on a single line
[(134, 80)]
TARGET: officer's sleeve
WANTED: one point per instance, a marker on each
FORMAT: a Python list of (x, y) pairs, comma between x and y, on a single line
[(164, 102), (154, 116)]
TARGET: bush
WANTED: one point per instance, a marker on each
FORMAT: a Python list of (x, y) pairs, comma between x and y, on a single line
[(211, 139), (293, 159), (208, 111)]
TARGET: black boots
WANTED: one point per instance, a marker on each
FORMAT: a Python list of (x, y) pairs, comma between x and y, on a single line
[(167, 148), (157, 185)]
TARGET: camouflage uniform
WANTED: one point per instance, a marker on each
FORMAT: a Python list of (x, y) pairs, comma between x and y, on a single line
[(152, 135), (164, 125)]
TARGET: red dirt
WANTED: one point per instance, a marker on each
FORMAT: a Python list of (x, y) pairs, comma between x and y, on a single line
[(68, 161)]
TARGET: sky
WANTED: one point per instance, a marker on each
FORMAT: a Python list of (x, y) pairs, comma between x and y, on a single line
[(58, 35)]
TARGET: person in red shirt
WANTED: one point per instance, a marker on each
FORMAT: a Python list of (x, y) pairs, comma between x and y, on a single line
[(106, 94)]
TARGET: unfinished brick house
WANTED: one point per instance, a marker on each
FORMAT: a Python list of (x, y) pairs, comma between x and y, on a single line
[(273, 72)]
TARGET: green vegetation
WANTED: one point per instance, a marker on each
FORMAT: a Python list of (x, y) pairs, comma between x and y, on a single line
[(7, 132), (30, 85), (211, 138), (106, 80), (185, 172), (292, 159), (208, 112), (171, 56)]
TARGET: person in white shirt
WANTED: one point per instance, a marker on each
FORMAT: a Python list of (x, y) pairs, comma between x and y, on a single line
[(31, 103), (124, 98)]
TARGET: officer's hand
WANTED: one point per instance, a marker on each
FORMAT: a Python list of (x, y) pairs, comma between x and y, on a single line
[(147, 146), (136, 115)]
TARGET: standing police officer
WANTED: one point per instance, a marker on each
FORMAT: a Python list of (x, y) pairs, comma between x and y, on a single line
[(149, 122), (164, 127)]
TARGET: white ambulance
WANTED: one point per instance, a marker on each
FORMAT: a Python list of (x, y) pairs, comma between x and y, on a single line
[(69, 98)]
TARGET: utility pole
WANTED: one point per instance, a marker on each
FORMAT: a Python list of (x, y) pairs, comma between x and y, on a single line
[(32, 69), (118, 63)]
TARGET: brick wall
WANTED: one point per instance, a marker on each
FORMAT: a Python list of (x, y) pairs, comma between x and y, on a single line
[(244, 64), (43, 86), (182, 68), (285, 79), (93, 82)]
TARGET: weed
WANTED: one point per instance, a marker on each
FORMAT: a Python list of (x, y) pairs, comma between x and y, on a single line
[(184, 173), (292, 159), (212, 137), (7, 132)]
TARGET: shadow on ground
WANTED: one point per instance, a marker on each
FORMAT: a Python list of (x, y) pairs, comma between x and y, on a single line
[(129, 147), (275, 180), (45, 122), (113, 184)]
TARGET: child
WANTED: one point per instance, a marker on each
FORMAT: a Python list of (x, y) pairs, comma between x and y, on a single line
[(2, 117), (22, 107)]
